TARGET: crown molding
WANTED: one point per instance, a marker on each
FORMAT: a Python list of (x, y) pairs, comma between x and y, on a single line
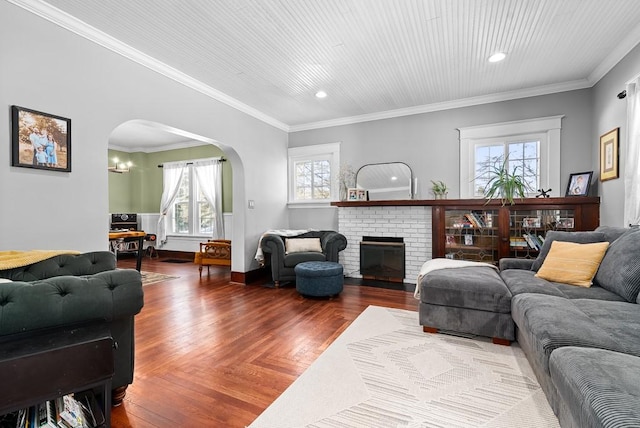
[(73, 24), (154, 149), (616, 55), (448, 105)]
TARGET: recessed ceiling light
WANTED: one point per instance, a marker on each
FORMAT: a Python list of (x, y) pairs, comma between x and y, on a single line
[(498, 56), (321, 94)]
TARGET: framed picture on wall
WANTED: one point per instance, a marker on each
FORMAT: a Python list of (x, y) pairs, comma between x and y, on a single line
[(40, 140), (362, 195), (609, 157)]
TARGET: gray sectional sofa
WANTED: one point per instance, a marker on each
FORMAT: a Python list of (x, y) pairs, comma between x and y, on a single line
[(583, 343)]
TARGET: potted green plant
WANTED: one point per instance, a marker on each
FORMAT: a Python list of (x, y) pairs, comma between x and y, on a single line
[(504, 184), (439, 189)]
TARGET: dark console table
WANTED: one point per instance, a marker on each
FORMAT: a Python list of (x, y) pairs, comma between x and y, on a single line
[(42, 367)]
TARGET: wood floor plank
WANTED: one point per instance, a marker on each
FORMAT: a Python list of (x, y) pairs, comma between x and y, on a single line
[(214, 353)]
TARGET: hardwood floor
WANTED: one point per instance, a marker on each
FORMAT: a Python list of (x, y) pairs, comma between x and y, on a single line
[(210, 353)]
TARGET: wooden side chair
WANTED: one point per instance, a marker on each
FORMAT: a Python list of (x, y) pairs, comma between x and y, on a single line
[(215, 252)]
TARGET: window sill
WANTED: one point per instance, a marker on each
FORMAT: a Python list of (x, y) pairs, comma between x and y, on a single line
[(190, 237), (310, 204)]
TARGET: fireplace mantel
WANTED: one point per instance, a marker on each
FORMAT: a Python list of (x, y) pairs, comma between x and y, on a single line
[(465, 202)]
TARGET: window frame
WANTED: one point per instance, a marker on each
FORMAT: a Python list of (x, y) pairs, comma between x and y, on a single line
[(547, 130), (193, 202), (329, 152)]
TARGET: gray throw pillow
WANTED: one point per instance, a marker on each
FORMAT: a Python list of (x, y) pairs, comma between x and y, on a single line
[(554, 235), (619, 271)]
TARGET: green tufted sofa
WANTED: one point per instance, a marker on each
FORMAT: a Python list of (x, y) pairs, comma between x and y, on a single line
[(74, 290)]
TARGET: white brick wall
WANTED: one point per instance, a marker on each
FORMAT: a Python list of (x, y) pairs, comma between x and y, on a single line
[(413, 223)]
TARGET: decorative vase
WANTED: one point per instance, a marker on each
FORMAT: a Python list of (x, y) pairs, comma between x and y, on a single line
[(343, 191)]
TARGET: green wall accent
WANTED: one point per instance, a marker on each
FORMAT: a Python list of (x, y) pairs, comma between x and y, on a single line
[(140, 190)]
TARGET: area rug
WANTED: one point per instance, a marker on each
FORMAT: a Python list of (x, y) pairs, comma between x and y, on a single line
[(384, 371), (153, 277)]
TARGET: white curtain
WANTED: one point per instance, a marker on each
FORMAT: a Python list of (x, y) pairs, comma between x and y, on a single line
[(209, 176), (172, 173), (632, 157)]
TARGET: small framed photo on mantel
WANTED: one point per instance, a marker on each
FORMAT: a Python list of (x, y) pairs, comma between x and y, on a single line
[(40, 140), (579, 184)]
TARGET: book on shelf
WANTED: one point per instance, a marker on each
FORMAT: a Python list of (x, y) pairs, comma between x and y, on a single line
[(533, 241), (474, 220), (63, 412), (518, 242)]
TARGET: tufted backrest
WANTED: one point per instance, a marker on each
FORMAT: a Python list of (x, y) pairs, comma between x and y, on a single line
[(65, 264), (65, 300)]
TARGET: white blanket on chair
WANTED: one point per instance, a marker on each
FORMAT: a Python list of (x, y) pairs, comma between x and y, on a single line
[(282, 232), (435, 264)]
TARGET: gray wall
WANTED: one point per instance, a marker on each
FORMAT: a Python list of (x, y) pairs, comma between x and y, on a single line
[(429, 142), (47, 68), (610, 113)]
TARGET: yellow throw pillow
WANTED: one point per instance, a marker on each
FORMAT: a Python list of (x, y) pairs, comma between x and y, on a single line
[(571, 263), (299, 245)]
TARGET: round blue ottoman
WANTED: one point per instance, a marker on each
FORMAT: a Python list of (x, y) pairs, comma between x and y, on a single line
[(319, 279)]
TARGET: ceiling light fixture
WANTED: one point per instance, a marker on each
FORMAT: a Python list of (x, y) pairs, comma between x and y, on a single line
[(321, 94), (497, 57), (120, 167)]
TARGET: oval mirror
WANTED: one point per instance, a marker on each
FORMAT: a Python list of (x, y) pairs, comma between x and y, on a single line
[(386, 181)]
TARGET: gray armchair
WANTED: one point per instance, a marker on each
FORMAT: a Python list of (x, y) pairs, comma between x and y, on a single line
[(283, 264)]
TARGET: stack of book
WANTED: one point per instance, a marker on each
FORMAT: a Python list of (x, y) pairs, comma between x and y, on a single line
[(68, 411), (533, 241)]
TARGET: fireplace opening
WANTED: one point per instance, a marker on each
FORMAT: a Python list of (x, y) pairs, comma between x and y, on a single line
[(382, 258)]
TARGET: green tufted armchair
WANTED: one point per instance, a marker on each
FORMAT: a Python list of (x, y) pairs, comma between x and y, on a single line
[(283, 264), (74, 290)]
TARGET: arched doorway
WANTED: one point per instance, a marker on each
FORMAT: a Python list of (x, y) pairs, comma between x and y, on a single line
[(145, 145)]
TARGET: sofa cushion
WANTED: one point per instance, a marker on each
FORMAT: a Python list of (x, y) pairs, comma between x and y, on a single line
[(291, 260), (571, 263), (611, 233), (598, 387), (620, 269), (554, 235), (551, 322), (478, 288), (524, 281), (299, 245)]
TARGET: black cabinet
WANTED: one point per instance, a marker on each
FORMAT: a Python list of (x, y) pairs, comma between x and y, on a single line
[(45, 366)]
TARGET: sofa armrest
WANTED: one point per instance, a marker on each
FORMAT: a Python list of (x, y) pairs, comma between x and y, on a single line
[(69, 300), (63, 265), (332, 243), (513, 263)]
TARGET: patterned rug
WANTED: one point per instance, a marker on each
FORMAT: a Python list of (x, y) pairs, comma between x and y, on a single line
[(153, 277), (384, 371)]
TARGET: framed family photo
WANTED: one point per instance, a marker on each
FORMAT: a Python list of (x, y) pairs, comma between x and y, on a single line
[(40, 140), (579, 184), (609, 157)]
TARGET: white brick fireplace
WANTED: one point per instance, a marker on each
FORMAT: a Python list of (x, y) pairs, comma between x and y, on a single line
[(412, 223)]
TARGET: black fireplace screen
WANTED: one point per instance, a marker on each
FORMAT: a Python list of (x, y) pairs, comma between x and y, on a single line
[(382, 257)]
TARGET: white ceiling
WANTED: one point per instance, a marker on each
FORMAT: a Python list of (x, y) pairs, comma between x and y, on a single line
[(374, 58)]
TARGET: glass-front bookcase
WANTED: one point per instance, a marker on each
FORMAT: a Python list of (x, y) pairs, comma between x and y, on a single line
[(471, 235), (474, 229)]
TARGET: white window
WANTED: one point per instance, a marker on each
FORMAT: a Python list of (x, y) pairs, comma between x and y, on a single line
[(191, 213), (313, 173), (531, 148), (522, 158)]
